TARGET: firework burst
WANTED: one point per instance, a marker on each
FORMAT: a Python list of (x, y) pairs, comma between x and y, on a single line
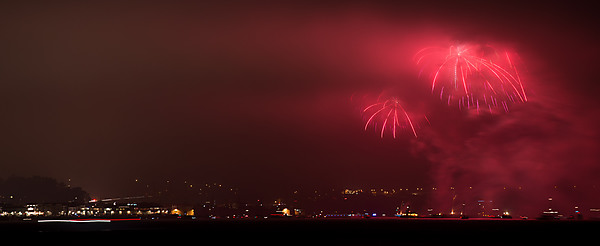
[(390, 116), (473, 76)]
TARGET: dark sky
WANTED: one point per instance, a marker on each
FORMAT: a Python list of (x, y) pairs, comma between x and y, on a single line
[(258, 95)]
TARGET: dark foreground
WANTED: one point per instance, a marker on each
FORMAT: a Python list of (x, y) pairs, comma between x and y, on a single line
[(310, 231)]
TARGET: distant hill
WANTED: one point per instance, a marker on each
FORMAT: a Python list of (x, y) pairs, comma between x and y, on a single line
[(36, 189)]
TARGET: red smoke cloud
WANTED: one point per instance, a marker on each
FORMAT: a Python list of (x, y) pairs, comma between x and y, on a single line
[(517, 160)]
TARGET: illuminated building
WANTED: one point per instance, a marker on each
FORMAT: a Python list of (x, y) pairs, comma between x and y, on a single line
[(176, 212)]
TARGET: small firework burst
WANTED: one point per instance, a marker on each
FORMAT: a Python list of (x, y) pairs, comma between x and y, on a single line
[(388, 115)]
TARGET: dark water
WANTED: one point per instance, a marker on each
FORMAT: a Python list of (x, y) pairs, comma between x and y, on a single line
[(312, 231)]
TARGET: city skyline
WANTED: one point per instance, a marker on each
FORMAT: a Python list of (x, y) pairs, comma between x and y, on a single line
[(37, 196)]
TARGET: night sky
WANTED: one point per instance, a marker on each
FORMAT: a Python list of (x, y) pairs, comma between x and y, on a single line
[(262, 96)]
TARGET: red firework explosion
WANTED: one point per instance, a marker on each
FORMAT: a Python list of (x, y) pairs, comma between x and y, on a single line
[(473, 76), (389, 115)]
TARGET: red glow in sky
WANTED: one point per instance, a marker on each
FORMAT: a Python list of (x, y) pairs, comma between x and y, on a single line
[(236, 93)]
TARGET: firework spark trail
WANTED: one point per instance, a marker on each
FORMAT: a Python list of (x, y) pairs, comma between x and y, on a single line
[(388, 110), (471, 77), (512, 66)]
